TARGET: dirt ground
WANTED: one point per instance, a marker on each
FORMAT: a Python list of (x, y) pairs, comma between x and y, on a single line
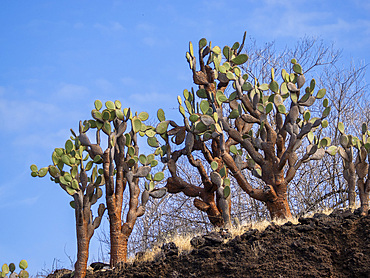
[(335, 245)]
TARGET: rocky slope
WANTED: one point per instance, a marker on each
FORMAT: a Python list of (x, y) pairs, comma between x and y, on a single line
[(335, 245)]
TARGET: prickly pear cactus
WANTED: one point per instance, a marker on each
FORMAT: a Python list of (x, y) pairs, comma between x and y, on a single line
[(122, 128), (259, 126), (76, 173), (356, 167), (122, 164), (5, 269)]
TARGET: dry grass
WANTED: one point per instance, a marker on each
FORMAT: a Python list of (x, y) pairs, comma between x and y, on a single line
[(183, 241)]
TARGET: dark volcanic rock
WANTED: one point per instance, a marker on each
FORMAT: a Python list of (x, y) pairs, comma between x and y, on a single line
[(323, 246)]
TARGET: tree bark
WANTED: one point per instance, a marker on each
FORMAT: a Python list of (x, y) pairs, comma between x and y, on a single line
[(350, 177), (279, 207), (117, 253), (83, 242), (364, 192)]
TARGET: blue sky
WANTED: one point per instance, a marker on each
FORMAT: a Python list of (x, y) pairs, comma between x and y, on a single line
[(57, 57)]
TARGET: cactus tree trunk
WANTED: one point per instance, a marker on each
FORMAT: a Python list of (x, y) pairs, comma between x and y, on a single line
[(117, 242), (350, 177), (82, 251), (84, 235), (364, 192), (277, 203)]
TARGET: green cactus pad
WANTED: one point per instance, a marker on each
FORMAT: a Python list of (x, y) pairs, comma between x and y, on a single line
[(321, 93), (160, 115), (193, 118), (89, 165), (110, 105), (98, 104), (150, 133), (162, 127), (99, 125), (227, 191), (202, 43), (263, 87), (33, 168), (191, 49), (70, 190), (230, 75), (143, 159), (247, 86), (274, 86), (69, 146), (11, 267), (186, 96), (344, 140), (312, 85), (131, 162), (200, 127), (43, 172), (281, 108), (136, 125), (4, 269), (307, 115), (131, 151), (126, 113), (324, 123), (294, 97), (150, 158), (75, 184), (227, 182), (107, 128), (146, 184), (364, 128), (65, 159), (96, 115), (234, 114), (118, 104), (23, 264), (214, 165), (204, 106), (240, 59), (72, 204), (220, 97), (24, 274), (222, 172), (297, 68), (97, 159), (235, 46), (106, 115), (153, 142), (119, 114), (326, 112), (143, 116), (325, 103), (158, 176), (269, 107), (233, 149), (332, 150)]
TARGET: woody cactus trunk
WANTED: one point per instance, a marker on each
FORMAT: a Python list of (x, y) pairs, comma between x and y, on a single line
[(258, 127), (211, 196), (121, 168), (84, 189), (356, 169)]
